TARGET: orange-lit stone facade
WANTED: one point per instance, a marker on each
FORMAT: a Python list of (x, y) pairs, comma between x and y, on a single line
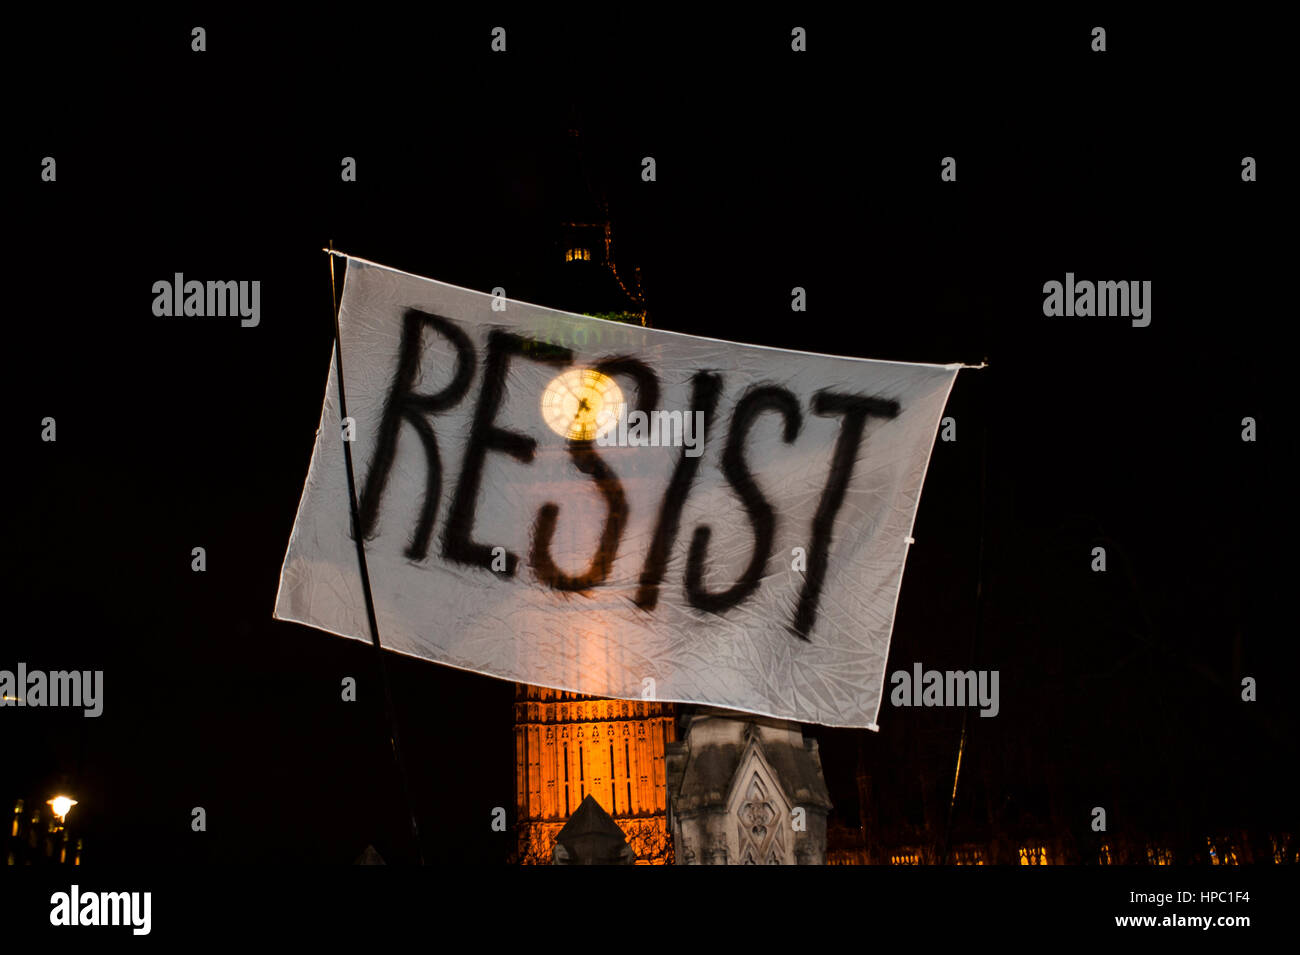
[(568, 745)]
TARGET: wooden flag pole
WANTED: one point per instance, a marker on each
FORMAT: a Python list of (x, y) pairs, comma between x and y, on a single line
[(389, 711), (976, 631)]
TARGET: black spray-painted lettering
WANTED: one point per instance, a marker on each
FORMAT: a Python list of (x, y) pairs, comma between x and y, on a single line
[(854, 410), (484, 436), (403, 404), (705, 388), (589, 462), (755, 402)]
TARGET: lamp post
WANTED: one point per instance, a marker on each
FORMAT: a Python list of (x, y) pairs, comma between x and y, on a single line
[(61, 806)]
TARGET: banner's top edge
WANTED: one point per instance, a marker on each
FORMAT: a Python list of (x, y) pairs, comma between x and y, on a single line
[(950, 366)]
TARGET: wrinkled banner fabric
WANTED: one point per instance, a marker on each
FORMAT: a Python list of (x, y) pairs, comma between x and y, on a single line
[(734, 534)]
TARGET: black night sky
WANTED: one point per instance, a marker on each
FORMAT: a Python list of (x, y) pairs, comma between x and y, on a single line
[(1119, 689)]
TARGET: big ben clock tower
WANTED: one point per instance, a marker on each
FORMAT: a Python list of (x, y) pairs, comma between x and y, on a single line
[(568, 745)]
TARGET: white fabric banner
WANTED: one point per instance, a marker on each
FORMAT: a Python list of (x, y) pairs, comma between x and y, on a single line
[(612, 509)]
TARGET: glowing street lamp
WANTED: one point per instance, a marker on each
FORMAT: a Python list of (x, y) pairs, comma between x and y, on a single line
[(62, 805)]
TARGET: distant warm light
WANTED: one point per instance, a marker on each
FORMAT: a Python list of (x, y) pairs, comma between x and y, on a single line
[(1227, 857), (1157, 856), (1033, 855), (62, 806), (577, 255), (581, 404)]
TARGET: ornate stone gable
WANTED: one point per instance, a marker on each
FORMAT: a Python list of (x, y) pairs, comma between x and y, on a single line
[(746, 791), (760, 832)]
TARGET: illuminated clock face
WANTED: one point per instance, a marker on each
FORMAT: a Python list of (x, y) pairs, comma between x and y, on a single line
[(581, 404)]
